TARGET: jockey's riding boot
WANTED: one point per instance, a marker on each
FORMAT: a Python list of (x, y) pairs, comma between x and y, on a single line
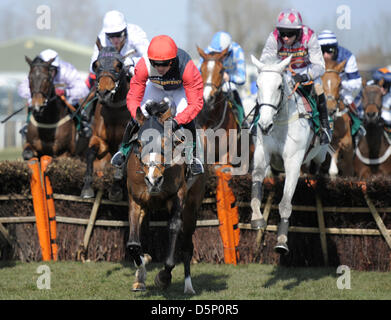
[(23, 130), (85, 126), (119, 158), (325, 135), (195, 166)]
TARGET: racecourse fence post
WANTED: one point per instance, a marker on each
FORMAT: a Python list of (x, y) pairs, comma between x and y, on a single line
[(322, 229), (40, 208), (48, 193), (228, 215), (91, 223)]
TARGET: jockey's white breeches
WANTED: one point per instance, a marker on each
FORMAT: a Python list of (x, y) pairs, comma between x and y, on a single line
[(177, 98)]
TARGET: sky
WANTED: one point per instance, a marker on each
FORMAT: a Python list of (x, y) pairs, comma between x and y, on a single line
[(170, 16), (358, 24)]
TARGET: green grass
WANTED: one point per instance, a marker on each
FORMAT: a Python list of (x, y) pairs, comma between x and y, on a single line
[(11, 154), (104, 280)]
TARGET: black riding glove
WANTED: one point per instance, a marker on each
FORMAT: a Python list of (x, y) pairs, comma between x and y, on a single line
[(175, 125), (299, 78)]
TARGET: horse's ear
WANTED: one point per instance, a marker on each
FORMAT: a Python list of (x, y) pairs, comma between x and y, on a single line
[(284, 63), (364, 82), (341, 66), (98, 43), (140, 116), (224, 53), (166, 115), (256, 62), (50, 61), (28, 60), (201, 52)]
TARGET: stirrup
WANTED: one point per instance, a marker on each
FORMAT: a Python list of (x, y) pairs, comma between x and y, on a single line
[(196, 167), (118, 159), (325, 137)]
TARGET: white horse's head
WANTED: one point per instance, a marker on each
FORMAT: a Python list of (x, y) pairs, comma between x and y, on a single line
[(270, 85)]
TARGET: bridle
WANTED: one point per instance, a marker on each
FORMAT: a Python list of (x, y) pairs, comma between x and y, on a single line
[(37, 88), (335, 113)]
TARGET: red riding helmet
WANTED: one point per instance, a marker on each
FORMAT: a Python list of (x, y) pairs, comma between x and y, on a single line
[(162, 48)]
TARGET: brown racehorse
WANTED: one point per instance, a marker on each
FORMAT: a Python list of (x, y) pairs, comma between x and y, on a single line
[(373, 152), (341, 142), (110, 119), (154, 183), (50, 130), (217, 115)]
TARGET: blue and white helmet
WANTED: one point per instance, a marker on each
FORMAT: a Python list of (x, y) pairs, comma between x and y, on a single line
[(327, 38), (220, 41)]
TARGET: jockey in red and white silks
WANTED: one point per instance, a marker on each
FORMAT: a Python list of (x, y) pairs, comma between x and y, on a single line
[(292, 38), (182, 83), (305, 47)]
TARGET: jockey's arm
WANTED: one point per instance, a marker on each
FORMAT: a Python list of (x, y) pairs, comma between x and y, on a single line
[(137, 87), (193, 85), (351, 83), (317, 67), (239, 75), (269, 52), (75, 87)]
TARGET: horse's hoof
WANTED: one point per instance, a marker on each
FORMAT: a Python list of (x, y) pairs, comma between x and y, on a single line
[(281, 248), (87, 193), (27, 154), (115, 195), (163, 279), (138, 286), (258, 224)]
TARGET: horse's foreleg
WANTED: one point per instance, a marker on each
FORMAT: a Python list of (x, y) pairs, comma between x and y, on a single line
[(333, 169), (258, 175), (88, 191), (28, 152), (163, 278), (136, 215), (292, 169)]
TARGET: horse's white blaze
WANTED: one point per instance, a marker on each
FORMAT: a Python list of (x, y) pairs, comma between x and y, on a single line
[(208, 88), (151, 169), (329, 83)]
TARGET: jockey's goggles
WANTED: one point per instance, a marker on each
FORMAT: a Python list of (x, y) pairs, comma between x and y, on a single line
[(156, 63), (116, 34), (328, 49), (287, 33)]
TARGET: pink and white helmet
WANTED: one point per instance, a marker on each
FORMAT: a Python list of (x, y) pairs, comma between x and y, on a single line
[(289, 19)]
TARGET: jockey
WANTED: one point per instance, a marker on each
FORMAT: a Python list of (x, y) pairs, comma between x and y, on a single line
[(167, 71), (385, 84), (125, 37), (351, 82), (73, 88), (291, 37), (234, 67)]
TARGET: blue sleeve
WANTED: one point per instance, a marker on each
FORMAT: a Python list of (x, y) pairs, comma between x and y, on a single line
[(239, 75)]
